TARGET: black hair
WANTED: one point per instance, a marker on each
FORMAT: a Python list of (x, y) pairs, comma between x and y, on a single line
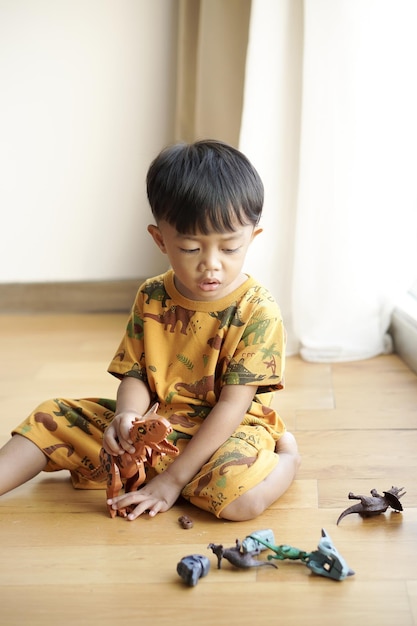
[(204, 186)]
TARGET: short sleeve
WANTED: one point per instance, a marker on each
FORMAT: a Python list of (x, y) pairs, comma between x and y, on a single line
[(129, 359)]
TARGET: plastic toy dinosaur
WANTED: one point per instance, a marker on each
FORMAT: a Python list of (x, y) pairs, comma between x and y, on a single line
[(236, 557), (148, 435), (325, 561), (375, 504), (251, 543)]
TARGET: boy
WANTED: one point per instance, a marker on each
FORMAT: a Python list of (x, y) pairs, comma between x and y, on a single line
[(204, 340)]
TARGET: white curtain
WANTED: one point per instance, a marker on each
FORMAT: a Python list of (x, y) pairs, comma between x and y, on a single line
[(330, 120)]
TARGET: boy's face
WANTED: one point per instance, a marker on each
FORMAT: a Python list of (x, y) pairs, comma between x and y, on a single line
[(206, 267)]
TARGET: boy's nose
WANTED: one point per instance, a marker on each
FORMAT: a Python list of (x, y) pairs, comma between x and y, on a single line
[(210, 262)]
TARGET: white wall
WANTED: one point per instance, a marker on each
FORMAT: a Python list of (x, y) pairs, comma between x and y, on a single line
[(87, 94)]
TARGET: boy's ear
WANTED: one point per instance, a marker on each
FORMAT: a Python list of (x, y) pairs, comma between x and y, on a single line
[(257, 231), (157, 237)]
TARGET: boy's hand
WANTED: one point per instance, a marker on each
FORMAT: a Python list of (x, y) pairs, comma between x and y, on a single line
[(157, 496), (116, 438)]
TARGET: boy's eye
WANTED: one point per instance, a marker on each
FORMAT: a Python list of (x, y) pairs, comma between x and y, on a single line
[(194, 250), (188, 250)]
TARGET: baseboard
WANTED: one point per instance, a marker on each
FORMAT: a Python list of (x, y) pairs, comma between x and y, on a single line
[(73, 297), (404, 331)]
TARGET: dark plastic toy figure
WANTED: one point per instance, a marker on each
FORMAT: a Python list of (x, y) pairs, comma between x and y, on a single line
[(325, 561), (148, 435), (193, 567), (236, 556), (375, 504)]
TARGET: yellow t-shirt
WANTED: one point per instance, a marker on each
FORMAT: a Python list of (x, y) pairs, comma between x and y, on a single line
[(187, 350)]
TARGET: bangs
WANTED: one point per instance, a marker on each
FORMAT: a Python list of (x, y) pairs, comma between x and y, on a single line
[(204, 187), (190, 219)]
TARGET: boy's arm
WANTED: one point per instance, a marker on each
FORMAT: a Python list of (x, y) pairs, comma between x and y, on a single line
[(133, 399), (221, 422), (164, 489)]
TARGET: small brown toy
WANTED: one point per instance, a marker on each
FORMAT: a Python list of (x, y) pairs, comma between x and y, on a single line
[(148, 435), (185, 521), (375, 504)]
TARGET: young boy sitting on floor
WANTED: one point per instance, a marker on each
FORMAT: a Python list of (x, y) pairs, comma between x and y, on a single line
[(204, 340)]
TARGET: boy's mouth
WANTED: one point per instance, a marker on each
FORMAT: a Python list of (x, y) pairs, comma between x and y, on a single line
[(210, 284)]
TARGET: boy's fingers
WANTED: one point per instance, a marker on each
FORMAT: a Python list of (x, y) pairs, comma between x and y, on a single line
[(125, 433), (137, 511), (155, 509), (126, 446), (111, 445), (125, 500)]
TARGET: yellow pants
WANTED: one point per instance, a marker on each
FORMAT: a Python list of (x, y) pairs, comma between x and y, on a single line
[(70, 433)]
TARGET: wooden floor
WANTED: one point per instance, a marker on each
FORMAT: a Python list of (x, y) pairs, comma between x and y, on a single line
[(64, 561)]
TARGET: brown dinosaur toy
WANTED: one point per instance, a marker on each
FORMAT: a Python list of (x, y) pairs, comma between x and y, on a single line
[(236, 557), (148, 435), (375, 504)]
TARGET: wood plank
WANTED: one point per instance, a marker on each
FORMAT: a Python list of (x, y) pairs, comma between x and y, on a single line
[(355, 419), (311, 600), (64, 561)]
